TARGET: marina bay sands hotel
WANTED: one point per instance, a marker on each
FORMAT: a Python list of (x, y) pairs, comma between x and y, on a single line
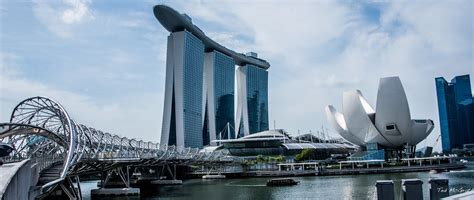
[(201, 79)]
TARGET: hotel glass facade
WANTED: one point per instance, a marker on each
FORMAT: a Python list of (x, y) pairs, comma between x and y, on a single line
[(200, 82), (257, 98), (219, 92), (193, 81), (182, 121), (254, 113), (224, 73), (455, 112)]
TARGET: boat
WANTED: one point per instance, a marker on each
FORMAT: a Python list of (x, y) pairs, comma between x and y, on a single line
[(281, 182), (213, 176), (437, 171)]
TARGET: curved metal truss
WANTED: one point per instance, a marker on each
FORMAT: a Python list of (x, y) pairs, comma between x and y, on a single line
[(41, 128)]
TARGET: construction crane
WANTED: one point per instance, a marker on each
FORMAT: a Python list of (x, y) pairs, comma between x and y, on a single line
[(437, 140)]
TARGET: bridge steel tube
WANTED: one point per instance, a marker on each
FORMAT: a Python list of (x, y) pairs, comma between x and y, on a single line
[(41, 129)]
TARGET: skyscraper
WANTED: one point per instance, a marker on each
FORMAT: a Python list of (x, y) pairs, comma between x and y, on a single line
[(199, 90), (218, 93), (182, 118), (252, 107), (455, 104)]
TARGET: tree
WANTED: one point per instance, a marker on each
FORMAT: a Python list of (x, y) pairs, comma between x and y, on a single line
[(305, 154), (280, 158)]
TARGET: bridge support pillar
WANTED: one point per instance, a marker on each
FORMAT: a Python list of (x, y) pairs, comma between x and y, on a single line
[(125, 179), (174, 181), (166, 168), (67, 189)]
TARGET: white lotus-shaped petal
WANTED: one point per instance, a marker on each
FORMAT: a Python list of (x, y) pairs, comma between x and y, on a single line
[(337, 121), (422, 128), (392, 111), (390, 125), (357, 113)]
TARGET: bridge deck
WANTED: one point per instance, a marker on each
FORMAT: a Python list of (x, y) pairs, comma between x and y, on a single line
[(7, 172)]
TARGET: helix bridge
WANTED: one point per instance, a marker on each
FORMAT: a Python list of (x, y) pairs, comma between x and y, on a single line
[(43, 132)]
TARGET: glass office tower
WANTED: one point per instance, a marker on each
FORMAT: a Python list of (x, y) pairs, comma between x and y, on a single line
[(465, 116), (219, 72), (454, 105), (182, 113), (252, 108)]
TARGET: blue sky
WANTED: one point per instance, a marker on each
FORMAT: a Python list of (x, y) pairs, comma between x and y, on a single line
[(105, 60)]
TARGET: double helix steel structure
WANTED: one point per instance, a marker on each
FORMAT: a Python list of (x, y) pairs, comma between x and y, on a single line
[(42, 130)]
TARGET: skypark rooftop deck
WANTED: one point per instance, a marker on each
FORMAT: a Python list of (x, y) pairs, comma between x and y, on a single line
[(174, 21)]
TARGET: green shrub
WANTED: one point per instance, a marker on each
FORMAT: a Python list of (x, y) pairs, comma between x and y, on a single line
[(305, 154)]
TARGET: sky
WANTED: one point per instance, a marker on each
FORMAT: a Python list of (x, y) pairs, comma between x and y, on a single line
[(104, 61)]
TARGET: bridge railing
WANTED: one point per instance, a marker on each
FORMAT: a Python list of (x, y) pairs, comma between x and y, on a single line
[(46, 162)]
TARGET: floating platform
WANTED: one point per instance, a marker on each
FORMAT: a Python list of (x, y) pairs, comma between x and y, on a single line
[(166, 182), (214, 176), (115, 192), (116, 184), (281, 182)]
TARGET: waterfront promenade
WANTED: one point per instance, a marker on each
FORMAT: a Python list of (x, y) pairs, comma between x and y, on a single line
[(349, 171), (324, 171)]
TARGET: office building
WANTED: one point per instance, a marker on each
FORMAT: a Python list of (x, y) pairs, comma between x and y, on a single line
[(455, 108)]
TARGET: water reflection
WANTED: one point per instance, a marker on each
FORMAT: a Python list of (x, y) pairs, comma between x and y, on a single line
[(327, 187)]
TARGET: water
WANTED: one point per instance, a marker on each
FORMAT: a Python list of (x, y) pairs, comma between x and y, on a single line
[(323, 187)]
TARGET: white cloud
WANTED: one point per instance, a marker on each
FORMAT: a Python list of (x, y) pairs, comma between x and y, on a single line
[(230, 40), (4, 59), (319, 49), (130, 116), (135, 20), (62, 19), (3, 10), (77, 12)]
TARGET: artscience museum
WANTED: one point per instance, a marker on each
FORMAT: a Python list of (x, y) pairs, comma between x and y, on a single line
[(387, 127)]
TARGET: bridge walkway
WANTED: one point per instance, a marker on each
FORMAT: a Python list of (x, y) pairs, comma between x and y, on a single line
[(50, 174), (16, 180)]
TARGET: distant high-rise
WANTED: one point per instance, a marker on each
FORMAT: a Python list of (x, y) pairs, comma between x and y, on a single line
[(252, 107), (456, 112), (199, 90)]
